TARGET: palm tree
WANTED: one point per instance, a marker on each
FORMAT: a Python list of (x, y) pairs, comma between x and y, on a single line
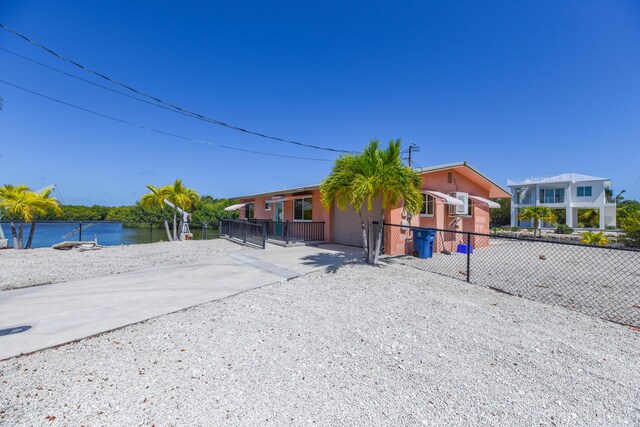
[(23, 205), (156, 198), (42, 203), (537, 214), (359, 180), (590, 218), (181, 197), (12, 201)]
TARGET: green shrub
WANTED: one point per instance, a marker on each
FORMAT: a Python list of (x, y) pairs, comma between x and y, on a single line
[(592, 238), (514, 228), (631, 227), (611, 227), (564, 229)]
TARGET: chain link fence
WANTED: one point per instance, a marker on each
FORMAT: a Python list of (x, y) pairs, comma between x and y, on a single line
[(107, 233), (596, 280)]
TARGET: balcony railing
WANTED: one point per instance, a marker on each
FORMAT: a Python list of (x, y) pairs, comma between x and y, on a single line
[(555, 199), (550, 200), (293, 231)]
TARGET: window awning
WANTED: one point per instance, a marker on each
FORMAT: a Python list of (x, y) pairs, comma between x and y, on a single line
[(235, 207), (490, 203), (277, 199), (445, 198)]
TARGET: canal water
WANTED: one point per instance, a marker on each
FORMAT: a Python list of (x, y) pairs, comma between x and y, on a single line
[(107, 233)]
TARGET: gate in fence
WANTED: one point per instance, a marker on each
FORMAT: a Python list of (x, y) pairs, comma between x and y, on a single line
[(250, 233), (596, 280)]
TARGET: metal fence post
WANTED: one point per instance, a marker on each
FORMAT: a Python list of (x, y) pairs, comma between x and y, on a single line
[(244, 232), (468, 257), (264, 236), (80, 232), (286, 232)]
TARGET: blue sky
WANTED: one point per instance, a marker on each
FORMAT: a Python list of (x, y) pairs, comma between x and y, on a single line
[(517, 89)]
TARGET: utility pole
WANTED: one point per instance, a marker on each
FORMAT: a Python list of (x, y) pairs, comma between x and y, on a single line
[(413, 147)]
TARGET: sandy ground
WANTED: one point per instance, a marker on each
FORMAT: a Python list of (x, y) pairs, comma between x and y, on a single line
[(596, 281), (361, 346), (19, 269)]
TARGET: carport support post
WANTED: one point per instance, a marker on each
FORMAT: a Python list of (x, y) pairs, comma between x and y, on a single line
[(468, 257)]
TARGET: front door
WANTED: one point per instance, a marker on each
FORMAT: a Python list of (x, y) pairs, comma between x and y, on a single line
[(278, 218)]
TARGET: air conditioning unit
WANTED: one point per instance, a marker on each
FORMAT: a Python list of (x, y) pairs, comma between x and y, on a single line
[(455, 210)]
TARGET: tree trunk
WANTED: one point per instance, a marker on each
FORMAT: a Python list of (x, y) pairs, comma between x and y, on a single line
[(31, 233), (376, 255), (175, 224), (20, 244), (365, 244), (371, 240), (180, 227), (166, 224), (14, 235), (536, 223)]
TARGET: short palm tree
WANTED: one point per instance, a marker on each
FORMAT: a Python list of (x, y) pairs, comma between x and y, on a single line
[(41, 203), (537, 214), (375, 174), (156, 198), (22, 206)]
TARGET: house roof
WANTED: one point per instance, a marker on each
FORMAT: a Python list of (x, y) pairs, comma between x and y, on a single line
[(565, 177), (495, 190), (282, 191)]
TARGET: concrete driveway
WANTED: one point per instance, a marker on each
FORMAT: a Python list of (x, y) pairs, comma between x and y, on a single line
[(64, 312)]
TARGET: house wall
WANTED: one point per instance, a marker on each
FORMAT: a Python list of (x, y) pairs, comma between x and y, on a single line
[(318, 213), (400, 241)]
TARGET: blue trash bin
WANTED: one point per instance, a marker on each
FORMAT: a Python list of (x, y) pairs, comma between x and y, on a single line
[(463, 249), (423, 242)]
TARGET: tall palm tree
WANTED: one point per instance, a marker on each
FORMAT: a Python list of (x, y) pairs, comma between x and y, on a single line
[(41, 203), (156, 198), (537, 214), (375, 174), (181, 197)]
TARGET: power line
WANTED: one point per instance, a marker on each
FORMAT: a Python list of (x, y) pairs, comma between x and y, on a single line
[(173, 106), (106, 116), (90, 82)]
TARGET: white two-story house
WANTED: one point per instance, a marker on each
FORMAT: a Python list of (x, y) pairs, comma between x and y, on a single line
[(570, 192)]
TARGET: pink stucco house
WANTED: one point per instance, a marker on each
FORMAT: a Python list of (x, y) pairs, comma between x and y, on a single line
[(456, 197)]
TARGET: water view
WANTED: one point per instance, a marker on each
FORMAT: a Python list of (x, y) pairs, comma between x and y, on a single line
[(107, 233)]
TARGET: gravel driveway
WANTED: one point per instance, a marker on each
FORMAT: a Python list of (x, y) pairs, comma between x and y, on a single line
[(361, 346), (32, 267), (598, 281)]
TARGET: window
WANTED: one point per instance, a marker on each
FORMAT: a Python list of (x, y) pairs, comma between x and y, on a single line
[(302, 209), (267, 206), (552, 195), (584, 191), (470, 207), (249, 211), (428, 205)]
